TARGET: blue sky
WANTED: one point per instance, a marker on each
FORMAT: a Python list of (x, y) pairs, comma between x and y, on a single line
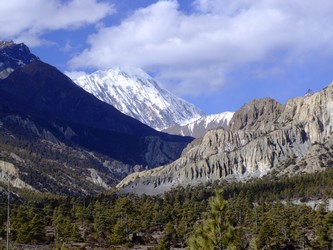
[(217, 54)]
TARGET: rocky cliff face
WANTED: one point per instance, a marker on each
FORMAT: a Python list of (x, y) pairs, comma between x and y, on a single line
[(258, 114), (264, 137)]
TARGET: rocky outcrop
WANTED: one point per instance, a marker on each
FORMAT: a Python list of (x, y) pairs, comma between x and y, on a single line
[(13, 56), (8, 173), (264, 137), (259, 114)]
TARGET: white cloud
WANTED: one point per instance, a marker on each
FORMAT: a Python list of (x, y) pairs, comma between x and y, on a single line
[(74, 74), (196, 51), (28, 20)]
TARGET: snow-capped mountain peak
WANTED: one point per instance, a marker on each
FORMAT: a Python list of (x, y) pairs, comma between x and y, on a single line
[(135, 93), (222, 118), (199, 127)]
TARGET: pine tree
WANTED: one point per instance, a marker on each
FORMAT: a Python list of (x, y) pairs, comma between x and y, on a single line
[(118, 234), (37, 229), (23, 234), (75, 234), (215, 231), (164, 244), (321, 228)]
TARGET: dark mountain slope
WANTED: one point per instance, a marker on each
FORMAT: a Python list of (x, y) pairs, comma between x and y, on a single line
[(42, 91), (45, 160), (40, 106)]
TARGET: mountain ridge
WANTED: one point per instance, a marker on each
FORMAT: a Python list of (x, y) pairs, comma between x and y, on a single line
[(263, 137)]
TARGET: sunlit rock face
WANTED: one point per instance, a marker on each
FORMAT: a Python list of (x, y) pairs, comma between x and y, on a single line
[(263, 138)]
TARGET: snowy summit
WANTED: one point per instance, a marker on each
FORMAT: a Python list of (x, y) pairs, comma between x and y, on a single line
[(135, 93), (199, 127)]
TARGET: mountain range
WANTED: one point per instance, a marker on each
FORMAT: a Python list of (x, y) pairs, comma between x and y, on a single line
[(263, 138), (57, 137), (61, 138), (135, 93)]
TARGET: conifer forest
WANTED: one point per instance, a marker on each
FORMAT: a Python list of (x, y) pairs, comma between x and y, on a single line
[(268, 213)]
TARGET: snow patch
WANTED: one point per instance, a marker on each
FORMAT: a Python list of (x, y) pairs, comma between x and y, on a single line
[(20, 63)]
